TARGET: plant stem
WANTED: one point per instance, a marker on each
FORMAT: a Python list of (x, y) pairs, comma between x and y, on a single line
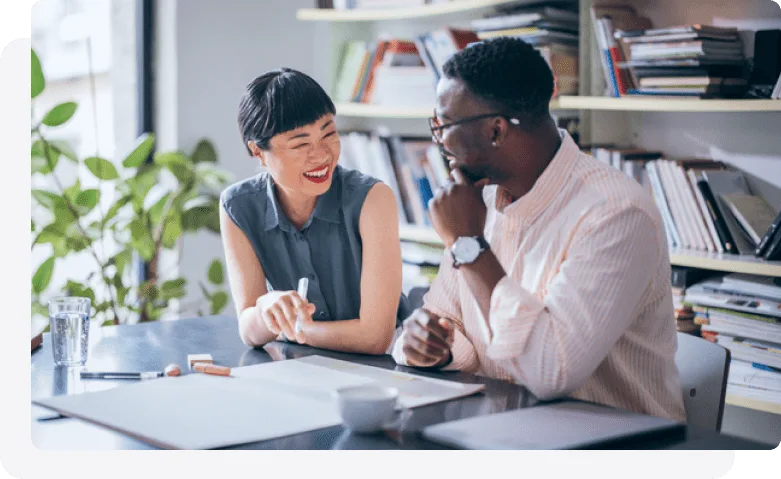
[(74, 212)]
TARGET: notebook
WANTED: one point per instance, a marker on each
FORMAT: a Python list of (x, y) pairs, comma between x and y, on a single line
[(564, 425)]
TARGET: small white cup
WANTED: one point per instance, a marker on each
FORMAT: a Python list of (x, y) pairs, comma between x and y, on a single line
[(367, 409)]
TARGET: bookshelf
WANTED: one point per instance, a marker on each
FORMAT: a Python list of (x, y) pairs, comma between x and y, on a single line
[(594, 103), (389, 14), (681, 127)]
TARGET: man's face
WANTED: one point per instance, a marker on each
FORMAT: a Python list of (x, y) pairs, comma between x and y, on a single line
[(465, 145)]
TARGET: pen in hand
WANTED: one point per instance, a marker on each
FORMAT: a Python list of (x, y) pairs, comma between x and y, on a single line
[(303, 287)]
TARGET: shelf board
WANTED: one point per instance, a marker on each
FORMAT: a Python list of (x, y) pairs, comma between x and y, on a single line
[(583, 103), (399, 13), (695, 259), (725, 262), (757, 405), (381, 111), (421, 235), (646, 103)]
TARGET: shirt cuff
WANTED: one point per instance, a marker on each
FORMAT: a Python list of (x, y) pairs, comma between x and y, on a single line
[(464, 356), (511, 319)]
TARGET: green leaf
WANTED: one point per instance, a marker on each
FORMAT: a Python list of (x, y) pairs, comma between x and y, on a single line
[(60, 248), (168, 158), (156, 211), (219, 301), (142, 239), (210, 176), (37, 80), (64, 214), (101, 168), (143, 148), (121, 260), (87, 200), (43, 276), (59, 114), (77, 289), (39, 163), (116, 207), (174, 288), (148, 290), (204, 152), (47, 199), (50, 234), (62, 148), (32, 225), (216, 275), (72, 192), (202, 217), (40, 309), (172, 230)]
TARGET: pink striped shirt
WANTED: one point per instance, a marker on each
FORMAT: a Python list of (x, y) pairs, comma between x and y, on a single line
[(585, 309)]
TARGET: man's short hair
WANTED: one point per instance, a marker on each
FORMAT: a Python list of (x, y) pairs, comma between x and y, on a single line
[(507, 73)]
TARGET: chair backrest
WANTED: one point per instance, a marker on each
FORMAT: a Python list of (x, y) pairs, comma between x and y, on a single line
[(703, 367)]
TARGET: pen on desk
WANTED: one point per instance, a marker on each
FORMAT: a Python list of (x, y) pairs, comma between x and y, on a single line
[(170, 370), (766, 368), (303, 288)]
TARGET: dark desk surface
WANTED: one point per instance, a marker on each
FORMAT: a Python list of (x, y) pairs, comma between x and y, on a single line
[(152, 346)]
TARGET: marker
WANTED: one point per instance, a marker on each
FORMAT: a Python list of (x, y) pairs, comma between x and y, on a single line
[(303, 288), (766, 368), (170, 370)]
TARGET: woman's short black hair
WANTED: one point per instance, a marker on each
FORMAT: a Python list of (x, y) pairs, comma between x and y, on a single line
[(278, 101), (507, 73)]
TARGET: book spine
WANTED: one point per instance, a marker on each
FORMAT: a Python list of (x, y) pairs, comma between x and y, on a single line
[(718, 220), (774, 250), (768, 236)]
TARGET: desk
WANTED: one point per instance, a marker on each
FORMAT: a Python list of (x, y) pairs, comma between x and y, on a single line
[(151, 346)]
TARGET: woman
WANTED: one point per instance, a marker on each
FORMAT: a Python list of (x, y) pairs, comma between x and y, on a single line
[(307, 217)]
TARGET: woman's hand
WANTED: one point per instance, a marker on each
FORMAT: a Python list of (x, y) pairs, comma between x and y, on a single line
[(278, 310)]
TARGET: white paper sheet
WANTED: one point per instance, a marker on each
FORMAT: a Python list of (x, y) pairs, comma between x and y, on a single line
[(323, 376)]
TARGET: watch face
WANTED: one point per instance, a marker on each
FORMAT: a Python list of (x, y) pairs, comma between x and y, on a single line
[(466, 249)]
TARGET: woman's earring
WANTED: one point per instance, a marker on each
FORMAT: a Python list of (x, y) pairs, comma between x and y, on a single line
[(493, 143)]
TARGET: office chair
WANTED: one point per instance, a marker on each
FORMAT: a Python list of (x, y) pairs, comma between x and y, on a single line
[(703, 367)]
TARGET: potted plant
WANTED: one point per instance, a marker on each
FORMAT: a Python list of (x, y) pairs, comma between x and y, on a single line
[(155, 198)]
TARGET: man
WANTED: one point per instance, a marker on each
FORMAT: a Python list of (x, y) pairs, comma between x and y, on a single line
[(557, 275)]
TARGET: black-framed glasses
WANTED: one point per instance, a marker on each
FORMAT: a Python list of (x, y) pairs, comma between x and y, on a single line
[(437, 127)]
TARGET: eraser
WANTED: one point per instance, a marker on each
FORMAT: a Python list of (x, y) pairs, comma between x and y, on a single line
[(199, 358)]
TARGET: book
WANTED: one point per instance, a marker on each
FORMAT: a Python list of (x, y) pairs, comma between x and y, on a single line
[(726, 182), (718, 220), (773, 252), (752, 212), (767, 237), (524, 18)]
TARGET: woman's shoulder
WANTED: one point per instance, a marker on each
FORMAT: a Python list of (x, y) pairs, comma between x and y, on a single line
[(352, 180), (248, 188)]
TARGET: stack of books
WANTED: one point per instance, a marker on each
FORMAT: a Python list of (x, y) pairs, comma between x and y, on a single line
[(742, 313), (705, 205), (551, 27), (682, 278), (691, 60), (412, 167), (384, 72)]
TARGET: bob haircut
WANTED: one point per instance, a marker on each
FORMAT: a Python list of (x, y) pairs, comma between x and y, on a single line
[(278, 101)]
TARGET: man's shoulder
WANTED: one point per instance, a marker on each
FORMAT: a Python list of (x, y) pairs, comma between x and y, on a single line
[(609, 188)]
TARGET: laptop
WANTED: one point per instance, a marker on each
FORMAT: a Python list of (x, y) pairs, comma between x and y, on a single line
[(561, 425)]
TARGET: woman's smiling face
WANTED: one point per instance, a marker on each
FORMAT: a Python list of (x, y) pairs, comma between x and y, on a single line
[(303, 159)]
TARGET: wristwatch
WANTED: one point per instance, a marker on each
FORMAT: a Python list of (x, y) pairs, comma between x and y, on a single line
[(466, 249)]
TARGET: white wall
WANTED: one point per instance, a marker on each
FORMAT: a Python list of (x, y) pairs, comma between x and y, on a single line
[(208, 52)]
